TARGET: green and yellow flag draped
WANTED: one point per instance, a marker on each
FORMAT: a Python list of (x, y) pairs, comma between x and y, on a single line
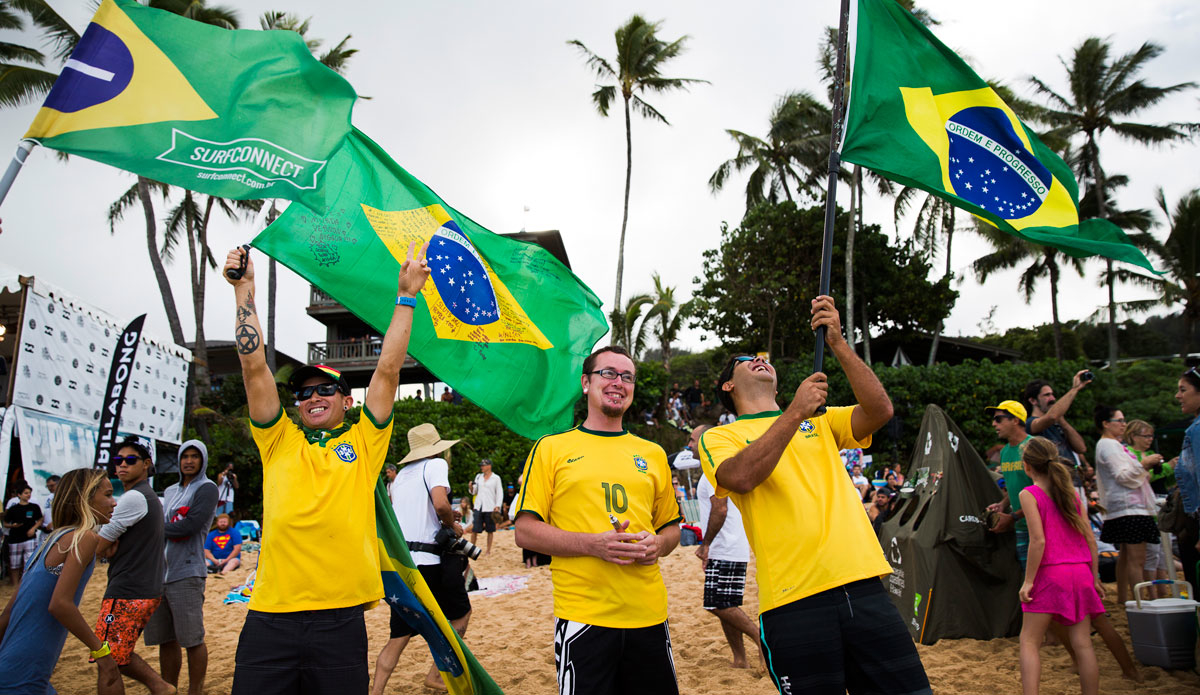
[(406, 592), (502, 321), (920, 116), (235, 114)]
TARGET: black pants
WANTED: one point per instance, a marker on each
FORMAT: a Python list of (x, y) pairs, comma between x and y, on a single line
[(850, 638), (302, 653)]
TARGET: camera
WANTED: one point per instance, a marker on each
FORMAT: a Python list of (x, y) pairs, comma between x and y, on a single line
[(453, 545), (1087, 376)]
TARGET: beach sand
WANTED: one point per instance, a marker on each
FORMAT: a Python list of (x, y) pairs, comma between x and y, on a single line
[(512, 636)]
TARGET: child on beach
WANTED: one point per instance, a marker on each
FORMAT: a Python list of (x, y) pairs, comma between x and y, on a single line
[(34, 624), (1062, 580)]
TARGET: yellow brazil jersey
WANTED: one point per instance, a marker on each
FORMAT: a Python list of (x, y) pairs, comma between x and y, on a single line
[(319, 503), (805, 522), (573, 481)]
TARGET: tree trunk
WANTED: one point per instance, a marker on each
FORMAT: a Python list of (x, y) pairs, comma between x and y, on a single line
[(948, 221), (625, 216), (1112, 315), (848, 314), (1102, 212), (270, 346), (866, 332), (783, 182), (160, 272), (1058, 346)]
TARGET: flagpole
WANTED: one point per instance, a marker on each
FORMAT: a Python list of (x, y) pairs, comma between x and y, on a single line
[(24, 147), (835, 161)]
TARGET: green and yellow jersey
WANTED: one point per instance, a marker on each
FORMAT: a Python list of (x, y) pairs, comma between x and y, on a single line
[(318, 503), (573, 481), (805, 522)]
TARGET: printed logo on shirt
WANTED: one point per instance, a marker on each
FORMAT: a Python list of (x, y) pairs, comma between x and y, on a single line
[(222, 541), (807, 426), (577, 458), (640, 463), (345, 452)]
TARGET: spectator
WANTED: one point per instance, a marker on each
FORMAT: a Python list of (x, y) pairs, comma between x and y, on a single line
[(223, 547), (22, 520), (1008, 419), (489, 499), (34, 624), (860, 481), (648, 417), (178, 623), (1139, 438), (227, 483), (1048, 418), (1127, 499), (726, 418), (447, 397), (47, 508), (879, 508), (1187, 473), (693, 395), (466, 514), (136, 570), (389, 473)]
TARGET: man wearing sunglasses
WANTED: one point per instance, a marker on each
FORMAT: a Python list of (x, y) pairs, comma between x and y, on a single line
[(599, 500), (318, 481), (1008, 419), (826, 623)]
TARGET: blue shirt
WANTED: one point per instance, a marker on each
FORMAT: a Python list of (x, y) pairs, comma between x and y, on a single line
[(220, 543), (1186, 474)]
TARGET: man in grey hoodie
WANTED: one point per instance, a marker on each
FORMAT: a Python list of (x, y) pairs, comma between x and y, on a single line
[(178, 623)]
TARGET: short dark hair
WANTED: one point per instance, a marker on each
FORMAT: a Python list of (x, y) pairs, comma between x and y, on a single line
[(589, 364), (1032, 389), (22, 486), (135, 444), (1102, 413), (53, 479), (726, 374)]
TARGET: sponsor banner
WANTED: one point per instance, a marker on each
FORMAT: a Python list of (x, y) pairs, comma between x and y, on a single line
[(63, 362), (114, 393)]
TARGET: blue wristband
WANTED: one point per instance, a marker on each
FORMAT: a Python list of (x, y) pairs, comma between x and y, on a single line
[(406, 301)]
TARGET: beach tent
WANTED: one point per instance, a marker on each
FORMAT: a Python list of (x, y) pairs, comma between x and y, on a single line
[(951, 577)]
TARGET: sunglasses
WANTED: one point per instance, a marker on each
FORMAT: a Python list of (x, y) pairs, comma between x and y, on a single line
[(1002, 418), (306, 392), (751, 358), (125, 460), (1116, 419)]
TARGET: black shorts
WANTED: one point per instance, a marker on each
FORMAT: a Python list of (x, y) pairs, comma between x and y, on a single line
[(724, 584), (850, 638), (484, 521), (594, 660), (302, 652), (448, 587), (1130, 529)]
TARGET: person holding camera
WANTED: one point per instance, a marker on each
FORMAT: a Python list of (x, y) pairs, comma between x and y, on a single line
[(1048, 418), (227, 482), (421, 503)]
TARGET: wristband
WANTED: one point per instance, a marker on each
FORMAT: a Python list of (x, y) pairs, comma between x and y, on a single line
[(102, 652), (406, 301)]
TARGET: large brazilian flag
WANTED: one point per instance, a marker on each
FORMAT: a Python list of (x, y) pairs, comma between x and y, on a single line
[(920, 116), (502, 321), (235, 114)]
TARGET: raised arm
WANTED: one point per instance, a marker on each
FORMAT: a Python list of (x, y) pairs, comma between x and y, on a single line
[(874, 408), (262, 396), (381, 393), (1059, 410)]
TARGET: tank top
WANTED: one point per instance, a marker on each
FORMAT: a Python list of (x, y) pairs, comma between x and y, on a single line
[(34, 638), (1064, 545)]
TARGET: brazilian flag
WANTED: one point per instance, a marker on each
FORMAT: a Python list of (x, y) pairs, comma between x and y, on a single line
[(235, 114), (920, 116), (502, 321)]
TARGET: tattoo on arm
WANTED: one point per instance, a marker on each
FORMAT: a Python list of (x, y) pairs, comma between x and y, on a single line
[(247, 339)]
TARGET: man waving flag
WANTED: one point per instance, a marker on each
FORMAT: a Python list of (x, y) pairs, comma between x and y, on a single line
[(920, 116)]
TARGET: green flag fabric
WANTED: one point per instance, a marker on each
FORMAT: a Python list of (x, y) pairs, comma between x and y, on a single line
[(235, 114), (501, 321), (920, 116)]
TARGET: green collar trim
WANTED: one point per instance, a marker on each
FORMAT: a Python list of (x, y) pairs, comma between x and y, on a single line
[(323, 436), (603, 434), (765, 413)]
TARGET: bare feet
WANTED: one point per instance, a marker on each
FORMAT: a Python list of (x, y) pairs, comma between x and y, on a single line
[(740, 663), (1134, 675), (437, 685)]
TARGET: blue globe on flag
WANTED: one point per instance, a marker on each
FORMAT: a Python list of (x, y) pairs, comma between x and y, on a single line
[(461, 278), (991, 167)]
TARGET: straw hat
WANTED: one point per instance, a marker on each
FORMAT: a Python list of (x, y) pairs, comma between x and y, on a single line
[(424, 441)]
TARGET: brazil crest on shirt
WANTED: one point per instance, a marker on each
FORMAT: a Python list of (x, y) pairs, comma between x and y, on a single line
[(236, 114), (920, 116)]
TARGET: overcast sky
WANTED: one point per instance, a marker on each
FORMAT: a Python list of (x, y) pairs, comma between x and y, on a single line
[(486, 103)]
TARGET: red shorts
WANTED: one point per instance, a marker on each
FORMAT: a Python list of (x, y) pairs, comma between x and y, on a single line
[(121, 622)]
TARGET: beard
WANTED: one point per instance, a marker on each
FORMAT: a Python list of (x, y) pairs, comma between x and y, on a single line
[(611, 410)]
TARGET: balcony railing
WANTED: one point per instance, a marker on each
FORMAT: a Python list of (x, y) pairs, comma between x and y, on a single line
[(333, 352), (318, 298)]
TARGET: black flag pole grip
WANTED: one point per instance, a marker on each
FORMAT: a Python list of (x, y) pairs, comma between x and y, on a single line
[(238, 272), (835, 161)]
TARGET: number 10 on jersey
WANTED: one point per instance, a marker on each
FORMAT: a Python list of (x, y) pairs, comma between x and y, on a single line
[(615, 499)]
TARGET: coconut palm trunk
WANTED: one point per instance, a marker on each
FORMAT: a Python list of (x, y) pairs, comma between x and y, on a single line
[(848, 315), (160, 272), (625, 215)]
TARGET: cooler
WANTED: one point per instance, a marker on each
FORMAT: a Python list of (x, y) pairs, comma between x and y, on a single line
[(1163, 631)]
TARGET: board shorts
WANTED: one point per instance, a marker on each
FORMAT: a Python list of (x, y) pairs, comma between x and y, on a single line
[(484, 522), (180, 616), (19, 553), (121, 622), (724, 584), (595, 660)]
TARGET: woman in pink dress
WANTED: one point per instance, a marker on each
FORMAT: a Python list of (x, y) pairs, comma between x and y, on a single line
[(1062, 580)]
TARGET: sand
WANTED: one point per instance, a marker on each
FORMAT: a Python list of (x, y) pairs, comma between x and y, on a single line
[(512, 636)]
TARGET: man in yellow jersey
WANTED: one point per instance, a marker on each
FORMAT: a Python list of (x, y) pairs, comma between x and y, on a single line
[(826, 624), (599, 500), (305, 631)]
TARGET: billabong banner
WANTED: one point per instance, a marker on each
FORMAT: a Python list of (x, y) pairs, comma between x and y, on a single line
[(502, 321), (919, 115), (114, 394), (232, 113)]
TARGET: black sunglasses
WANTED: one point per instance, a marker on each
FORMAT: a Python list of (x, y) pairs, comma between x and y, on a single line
[(126, 460), (305, 392), (1002, 418)]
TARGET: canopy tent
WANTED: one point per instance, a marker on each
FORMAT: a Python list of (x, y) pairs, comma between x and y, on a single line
[(951, 577)]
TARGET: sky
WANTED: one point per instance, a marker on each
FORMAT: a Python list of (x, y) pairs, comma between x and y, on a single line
[(487, 104)]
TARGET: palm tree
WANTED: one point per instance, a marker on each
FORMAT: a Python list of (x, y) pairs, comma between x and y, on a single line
[(1044, 262), (629, 326), (1103, 92), (641, 56), (798, 131), (669, 316)]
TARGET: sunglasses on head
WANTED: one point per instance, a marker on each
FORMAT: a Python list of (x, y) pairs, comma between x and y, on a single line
[(126, 460), (327, 389)]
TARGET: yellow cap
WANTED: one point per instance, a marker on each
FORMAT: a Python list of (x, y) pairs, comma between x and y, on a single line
[(1011, 407)]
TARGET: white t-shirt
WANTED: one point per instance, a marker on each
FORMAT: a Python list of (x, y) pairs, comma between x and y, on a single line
[(489, 493), (726, 418), (225, 491), (413, 506), (730, 544), (859, 479)]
